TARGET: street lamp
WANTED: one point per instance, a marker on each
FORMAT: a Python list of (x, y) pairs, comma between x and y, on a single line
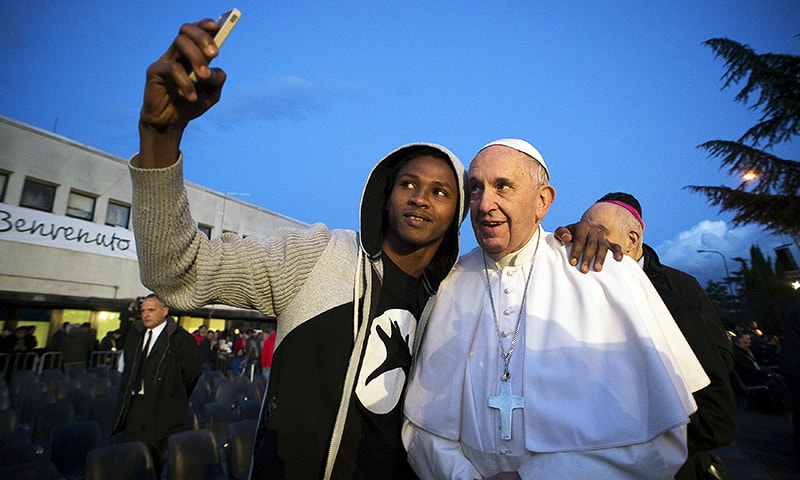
[(749, 176), (725, 263)]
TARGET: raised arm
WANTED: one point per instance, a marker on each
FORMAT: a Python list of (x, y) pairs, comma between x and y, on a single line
[(172, 99)]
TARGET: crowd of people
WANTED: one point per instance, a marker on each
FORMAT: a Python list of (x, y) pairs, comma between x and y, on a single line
[(240, 351), (19, 340), (74, 341), (247, 352), (756, 363)]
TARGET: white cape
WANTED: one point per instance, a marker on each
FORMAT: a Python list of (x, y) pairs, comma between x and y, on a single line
[(605, 365)]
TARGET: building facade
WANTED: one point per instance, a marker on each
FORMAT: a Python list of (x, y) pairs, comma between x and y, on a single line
[(65, 239)]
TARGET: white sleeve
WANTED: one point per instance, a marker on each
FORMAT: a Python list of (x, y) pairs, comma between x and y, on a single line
[(659, 458), (121, 363), (432, 456)]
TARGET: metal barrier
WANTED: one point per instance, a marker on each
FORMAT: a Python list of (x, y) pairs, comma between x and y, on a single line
[(24, 361), (105, 358), (5, 362), (51, 359)]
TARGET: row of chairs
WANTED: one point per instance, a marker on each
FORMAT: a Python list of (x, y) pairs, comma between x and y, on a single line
[(222, 408), (192, 455), (40, 407), (37, 402)]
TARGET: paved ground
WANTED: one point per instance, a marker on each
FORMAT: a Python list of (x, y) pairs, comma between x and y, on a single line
[(763, 448)]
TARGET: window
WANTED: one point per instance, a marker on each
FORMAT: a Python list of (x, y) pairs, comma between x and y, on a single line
[(38, 195), (3, 185), (80, 205), (117, 214), (205, 229)]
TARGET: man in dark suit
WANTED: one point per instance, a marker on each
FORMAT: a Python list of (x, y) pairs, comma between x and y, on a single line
[(160, 368)]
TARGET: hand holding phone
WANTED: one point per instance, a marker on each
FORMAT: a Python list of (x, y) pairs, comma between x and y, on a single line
[(226, 22)]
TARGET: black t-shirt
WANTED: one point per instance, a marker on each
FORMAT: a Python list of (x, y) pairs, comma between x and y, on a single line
[(371, 446)]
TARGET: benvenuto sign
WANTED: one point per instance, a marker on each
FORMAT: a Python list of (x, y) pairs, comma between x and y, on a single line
[(45, 229)]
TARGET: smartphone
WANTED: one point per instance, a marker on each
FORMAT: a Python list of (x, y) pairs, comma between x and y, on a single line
[(226, 22)]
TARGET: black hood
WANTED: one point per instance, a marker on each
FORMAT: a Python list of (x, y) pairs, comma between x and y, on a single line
[(373, 203)]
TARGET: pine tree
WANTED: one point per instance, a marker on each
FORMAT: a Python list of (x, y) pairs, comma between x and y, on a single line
[(772, 81), (763, 294)]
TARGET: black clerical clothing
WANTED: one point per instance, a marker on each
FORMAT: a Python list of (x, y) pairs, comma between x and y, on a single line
[(713, 425)]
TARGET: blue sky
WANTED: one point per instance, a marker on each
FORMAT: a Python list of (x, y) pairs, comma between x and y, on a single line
[(616, 96)]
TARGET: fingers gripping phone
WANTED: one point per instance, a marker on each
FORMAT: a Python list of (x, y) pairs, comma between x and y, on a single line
[(226, 22)]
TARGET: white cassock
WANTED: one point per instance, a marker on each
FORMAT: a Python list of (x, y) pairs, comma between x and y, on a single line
[(606, 376)]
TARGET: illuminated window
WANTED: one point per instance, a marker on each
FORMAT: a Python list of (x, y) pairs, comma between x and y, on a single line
[(81, 206), (117, 214), (38, 195)]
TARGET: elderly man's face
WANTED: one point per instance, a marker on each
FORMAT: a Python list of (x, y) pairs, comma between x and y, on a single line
[(153, 312), (607, 218), (506, 205)]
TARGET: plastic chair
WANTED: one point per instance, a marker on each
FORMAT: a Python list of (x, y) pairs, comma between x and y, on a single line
[(9, 421), (5, 395), (62, 388), (225, 392), (218, 417), (70, 443), (248, 408), (49, 415), (16, 448), (37, 469), (52, 376), (212, 377), (100, 386), (22, 381), (30, 398), (258, 388), (103, 410), (241, 386), (80, 397), (747, 390), (201, 394), (193, 455), (239, 452), (192, 420), (125, 460)]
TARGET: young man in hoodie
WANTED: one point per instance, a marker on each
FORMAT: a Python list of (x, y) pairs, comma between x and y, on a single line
[(346, 303)]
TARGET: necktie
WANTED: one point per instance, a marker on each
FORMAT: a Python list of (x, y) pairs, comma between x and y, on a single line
[(139, 377), (146, 349)]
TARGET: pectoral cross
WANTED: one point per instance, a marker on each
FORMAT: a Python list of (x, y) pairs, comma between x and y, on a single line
[(506, 403)]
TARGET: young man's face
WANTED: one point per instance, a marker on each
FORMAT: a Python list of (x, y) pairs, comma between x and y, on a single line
[(422, 203), (505, 205)]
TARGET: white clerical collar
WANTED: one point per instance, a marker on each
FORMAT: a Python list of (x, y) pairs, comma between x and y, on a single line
[(520, 257)]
